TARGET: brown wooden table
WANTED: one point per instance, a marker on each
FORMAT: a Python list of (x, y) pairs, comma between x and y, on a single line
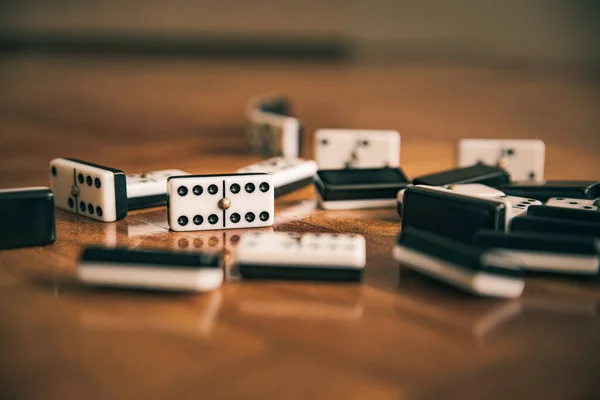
[(397, 335)]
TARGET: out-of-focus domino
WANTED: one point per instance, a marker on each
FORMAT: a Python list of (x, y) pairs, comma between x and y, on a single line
[(578, 204), (546, 252), (519, 205), (480, 272), (524, 159), (150, 269), (478, 173), (545, 190), (355, 148), (149, 189), (281, 255), (569, 214), (26, 217), (288, 174), (88, 189), (557, 226), (229, 201), (272, 129), (359, 188)]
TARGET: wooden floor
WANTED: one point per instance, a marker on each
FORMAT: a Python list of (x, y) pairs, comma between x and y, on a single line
[(397, 335)]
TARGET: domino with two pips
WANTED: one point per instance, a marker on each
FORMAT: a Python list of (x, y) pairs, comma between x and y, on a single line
[(465, 267), (359, 188), (222, 201), (158, 270), (546, 190), (89, 189), (288, 173), (542, 252), (308, 256), (479, 173), (149, 189), (26, 217)]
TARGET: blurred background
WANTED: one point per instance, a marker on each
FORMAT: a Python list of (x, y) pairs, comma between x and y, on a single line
[(97, 79)]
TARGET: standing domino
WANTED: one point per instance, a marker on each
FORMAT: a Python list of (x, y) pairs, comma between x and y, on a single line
[(346, 148), (26, 217), (309, 256), (149, 189), (88, 189), (523, 159), (288, 174), (228, 201)]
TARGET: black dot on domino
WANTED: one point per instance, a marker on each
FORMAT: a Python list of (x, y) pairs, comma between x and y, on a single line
[(213, 189), (213, 218), (198, 219), (97, 183), (197, 190), (249, 187), (264, 187), (99, 211), (183, 243), (249, 216), (82, 206), (324, 142), (89, 180), (510, 152), (364, 143), (183, 220), (71, 202), (532, 175), (53, 170), (235, 218), (182, 191), (90, 208), (588, 207), (573, 202), (80, 178), (234, 188), (264, 216)]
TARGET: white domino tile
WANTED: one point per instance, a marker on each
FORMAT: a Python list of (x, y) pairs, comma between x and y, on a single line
[(580, 204), (284, 170), (150, 183)]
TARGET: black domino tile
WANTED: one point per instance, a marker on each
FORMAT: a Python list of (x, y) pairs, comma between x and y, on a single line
[(462, 255), (449, 214), (27, 218), (559, 226), (360, 184), (300, 273), (545, 190), (117, 257), (572, 214), (539, 242), (478, 173)]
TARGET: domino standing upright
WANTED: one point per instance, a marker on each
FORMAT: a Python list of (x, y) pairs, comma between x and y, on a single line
[(88, 189), (347, 148), (228, 201), (288, 174), (149, 189), (523, 158), (309, 256), (26, 217)]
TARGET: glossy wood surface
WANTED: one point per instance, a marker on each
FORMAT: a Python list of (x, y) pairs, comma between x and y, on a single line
[(397, 335)]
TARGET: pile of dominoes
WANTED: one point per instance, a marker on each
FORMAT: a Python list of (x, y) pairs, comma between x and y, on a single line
[(479, 227)]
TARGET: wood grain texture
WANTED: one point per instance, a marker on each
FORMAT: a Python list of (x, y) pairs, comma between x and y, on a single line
[(397, 335)]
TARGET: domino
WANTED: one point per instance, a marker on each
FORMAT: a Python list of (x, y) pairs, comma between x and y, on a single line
[(558, 226), (88, 189), (149, 189), (571, 214), (272, 130), (228, 201), (452, 214), (523, 159), (26, 217), (478, 173), (519, 205), (580, 204), (465, 267), (283, 255), (359, 188), (158, 270), (546, 252), (545, 190), (349, 148), (288, 174)]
